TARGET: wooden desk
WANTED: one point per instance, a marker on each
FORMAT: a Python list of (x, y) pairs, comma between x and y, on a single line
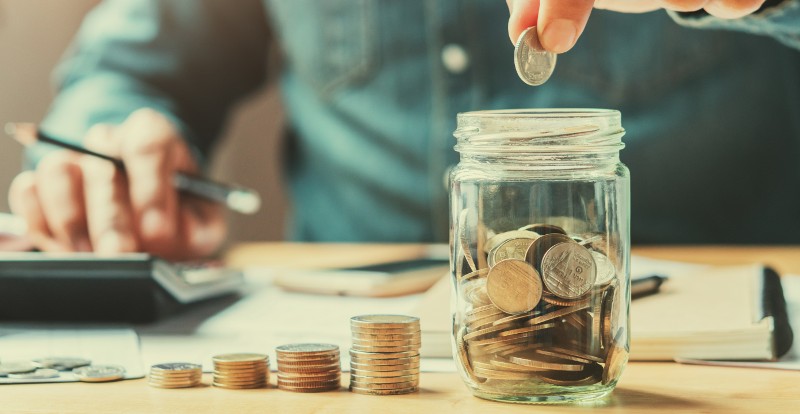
[(644, 387)]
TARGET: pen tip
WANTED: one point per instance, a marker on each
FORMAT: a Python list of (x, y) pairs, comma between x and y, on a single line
[(24, 133)]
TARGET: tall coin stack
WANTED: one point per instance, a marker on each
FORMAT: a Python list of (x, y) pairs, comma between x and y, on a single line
[(175, 375), (308, 367), (241, 371), (384, 358)]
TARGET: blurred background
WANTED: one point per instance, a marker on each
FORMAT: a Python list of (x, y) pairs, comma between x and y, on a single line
[(35, 33)]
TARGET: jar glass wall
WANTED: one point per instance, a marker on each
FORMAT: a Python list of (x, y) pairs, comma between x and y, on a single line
[(540, 254)]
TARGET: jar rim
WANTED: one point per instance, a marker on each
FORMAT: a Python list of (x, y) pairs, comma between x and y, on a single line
[(544, 113)]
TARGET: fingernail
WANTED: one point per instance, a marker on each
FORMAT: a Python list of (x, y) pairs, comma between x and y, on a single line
[(559, 35), (154, 222)]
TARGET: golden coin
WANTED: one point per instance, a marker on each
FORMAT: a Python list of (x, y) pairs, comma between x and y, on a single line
[(502, 374), (386, 349), (474, 275), (369, 391), (384, 321), (509, 249), (386, 337), (384, 380), (609, 312), (176, 376), (555, 300), (369, 356), (568, 270), (514, 286), (541, 361), (553, 353), (235, 359), (527, 329), (332, 387), (317, 376), (504, 364), (558, 314), (384, 386), (578, 354), (383, 343), (239, 387), (311, 383), (396, 373), (617, 358), (483, 311)]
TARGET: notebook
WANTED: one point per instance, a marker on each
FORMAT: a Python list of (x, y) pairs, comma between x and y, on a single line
[(721, 313)]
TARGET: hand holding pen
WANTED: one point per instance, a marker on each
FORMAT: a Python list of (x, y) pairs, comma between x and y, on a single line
[(135, 189)]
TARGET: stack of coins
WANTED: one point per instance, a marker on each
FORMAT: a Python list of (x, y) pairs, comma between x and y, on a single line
[(541, 306), (241, 371), (175, 375), (308, 367), (384, 358)]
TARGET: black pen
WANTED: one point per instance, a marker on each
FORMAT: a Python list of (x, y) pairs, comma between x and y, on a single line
[(239, 199), (646, 286)]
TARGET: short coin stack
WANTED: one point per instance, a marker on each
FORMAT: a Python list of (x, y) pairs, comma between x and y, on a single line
[(384, 359), (241, 371), (308, 367), (175, 375)]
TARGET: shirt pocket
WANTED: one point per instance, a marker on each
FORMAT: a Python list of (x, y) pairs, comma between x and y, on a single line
[(633, 59), (328, 43)]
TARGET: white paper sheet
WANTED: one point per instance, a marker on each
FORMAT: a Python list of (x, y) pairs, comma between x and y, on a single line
[(101, 346), (265, 318)]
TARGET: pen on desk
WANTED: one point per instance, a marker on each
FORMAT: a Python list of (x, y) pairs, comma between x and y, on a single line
[(239, 199), (646, 286)]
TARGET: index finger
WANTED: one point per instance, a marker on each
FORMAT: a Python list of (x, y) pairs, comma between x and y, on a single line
[(148, 141)]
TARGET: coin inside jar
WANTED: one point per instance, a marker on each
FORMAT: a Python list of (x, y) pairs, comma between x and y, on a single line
[(514, 286), (568, 270), (534, 64)]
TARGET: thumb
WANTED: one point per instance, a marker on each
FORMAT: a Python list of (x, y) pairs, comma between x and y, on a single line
[(561, 22)]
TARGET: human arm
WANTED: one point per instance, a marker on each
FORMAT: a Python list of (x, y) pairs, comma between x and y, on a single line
[(560, 22), (189, 61)]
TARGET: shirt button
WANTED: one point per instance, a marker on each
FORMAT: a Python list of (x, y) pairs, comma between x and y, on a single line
[(455, 59)]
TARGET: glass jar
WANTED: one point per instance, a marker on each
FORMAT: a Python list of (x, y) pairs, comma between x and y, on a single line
[(539, 230)]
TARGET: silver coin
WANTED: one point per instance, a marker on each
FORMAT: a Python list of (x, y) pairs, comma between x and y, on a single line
[(16, 367), (510, 249), (534, 64), (176, 366), (62, 363), (99, 373), (307, 348), (44, 373), (568, 270), (605, 269)]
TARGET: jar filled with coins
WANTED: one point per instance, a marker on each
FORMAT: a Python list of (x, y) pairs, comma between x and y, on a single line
[(540, 254)]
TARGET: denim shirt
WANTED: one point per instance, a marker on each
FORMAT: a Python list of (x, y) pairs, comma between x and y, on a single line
[(372, 89)]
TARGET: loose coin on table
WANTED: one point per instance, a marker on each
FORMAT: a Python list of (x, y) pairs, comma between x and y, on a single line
[(308, 367), (61, 363), (99, 373), (175, 375), (42, 373), (534, 64), (16, 367)]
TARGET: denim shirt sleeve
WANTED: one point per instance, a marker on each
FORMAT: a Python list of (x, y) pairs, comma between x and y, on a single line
[(190, 60), (781, 22)]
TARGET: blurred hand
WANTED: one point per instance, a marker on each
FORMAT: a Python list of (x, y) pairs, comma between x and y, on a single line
[(75, 202), (561, 22)]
